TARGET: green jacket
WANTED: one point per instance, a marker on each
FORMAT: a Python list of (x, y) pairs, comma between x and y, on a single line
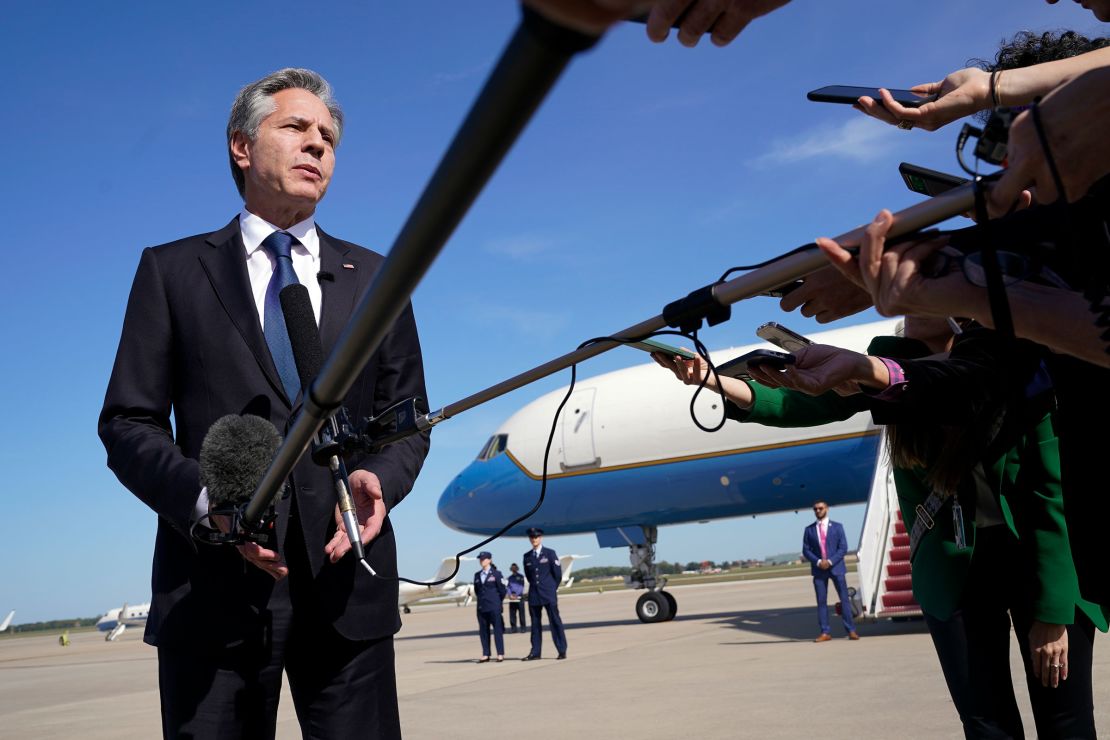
[(1025, 478)]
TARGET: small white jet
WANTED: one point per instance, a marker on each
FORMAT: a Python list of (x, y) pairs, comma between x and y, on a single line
[(410, 593), (115, 621)]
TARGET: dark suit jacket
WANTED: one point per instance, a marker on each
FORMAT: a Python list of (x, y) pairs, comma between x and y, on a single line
[(490, 592), (836, 547), (544, 576), (192, 345)]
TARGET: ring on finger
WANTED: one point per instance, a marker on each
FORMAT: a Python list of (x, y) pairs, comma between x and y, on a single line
[(905, 125)]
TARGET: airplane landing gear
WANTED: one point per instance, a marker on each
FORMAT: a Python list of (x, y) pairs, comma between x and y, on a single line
[(656, 605), (406, 609)]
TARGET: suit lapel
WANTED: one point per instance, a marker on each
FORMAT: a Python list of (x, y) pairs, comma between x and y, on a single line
[(339, 290), (226, 266)]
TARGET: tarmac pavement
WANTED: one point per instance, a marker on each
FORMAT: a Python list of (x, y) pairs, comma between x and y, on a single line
[(737, 662)]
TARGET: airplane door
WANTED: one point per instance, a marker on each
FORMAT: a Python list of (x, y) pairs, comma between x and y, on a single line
[(578, 431)]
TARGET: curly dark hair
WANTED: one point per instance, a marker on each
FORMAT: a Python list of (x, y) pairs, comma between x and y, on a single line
[(1027, 48)]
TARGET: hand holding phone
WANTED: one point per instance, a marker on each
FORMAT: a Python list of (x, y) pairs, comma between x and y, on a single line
[(850, 95), (739, 367)]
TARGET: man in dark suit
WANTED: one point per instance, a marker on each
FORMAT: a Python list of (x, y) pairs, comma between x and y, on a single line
[(489, 592), (543, 573), (824, 545), (201, 339)]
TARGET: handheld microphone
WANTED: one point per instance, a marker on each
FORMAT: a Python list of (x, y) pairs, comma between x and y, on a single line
[(308, 354), (234, 456)]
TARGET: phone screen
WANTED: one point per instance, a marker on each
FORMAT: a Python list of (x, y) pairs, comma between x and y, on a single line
[(849, 94)]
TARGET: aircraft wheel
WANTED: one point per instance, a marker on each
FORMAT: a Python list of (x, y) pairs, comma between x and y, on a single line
[(653, 607), (406, 609), (672, 601)]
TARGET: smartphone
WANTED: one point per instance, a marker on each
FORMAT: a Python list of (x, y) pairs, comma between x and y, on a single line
[(738, 368), (928, 182), (848, 94), (780, 336), (651, 345)]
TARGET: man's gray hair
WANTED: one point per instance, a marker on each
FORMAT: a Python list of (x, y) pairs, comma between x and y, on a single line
[(256, 101)]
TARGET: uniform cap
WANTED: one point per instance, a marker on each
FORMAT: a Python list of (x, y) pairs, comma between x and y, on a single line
[(485, 555), (535, 532)]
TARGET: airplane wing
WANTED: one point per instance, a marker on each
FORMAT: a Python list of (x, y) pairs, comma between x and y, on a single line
[(7, 620), (410, 594)]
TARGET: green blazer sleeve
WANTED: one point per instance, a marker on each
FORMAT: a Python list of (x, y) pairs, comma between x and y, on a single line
[(1038, 506), (781, 407)]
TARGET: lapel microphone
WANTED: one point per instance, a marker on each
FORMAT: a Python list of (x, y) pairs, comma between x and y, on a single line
[(323, 275)]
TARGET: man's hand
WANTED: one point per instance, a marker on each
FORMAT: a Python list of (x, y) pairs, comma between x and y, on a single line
[(827, 296), (1071, 116), (366, 492), (824, 564), (960, 94), (1048, 647), (253, 553), (726, 19)]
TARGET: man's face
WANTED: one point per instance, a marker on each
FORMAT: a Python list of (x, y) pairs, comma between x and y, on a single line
[(290, 162), (820, 510), (536, 541), (514, 569)]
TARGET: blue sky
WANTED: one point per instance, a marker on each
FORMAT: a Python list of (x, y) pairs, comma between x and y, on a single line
[(647, 172)]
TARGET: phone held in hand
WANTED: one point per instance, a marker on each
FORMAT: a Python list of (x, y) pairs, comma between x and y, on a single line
[(928, 182), (848, 94), (739, 367), (652, 345), (780, 336)]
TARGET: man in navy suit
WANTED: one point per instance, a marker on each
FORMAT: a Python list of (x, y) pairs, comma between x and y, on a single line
[(824, 545), (543, 573), (489, 592), (199, 342)]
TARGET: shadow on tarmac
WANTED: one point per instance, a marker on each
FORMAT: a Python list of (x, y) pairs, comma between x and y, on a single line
[(797, 624)]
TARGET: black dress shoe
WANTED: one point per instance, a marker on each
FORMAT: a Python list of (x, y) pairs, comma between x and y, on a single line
[(562, 656), (530, 657)]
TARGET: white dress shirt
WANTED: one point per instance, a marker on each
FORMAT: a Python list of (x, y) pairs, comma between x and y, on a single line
[(260, 265)]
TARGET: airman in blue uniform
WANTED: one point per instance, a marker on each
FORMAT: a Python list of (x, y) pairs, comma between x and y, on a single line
[(516, 599), (543, 573), (489, 592)]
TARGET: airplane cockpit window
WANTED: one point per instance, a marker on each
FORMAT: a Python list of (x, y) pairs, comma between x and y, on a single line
[(494, 447)]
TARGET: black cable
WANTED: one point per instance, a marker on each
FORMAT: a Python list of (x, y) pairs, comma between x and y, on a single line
[(702, 351)]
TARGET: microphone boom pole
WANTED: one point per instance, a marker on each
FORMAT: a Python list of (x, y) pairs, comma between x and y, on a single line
[(780, 272), (527, 70)]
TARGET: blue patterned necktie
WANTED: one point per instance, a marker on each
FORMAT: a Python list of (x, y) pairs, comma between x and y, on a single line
[(280, 246)]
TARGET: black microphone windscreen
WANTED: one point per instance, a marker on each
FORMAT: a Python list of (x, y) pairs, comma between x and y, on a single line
[(304, 335), (235, 455)]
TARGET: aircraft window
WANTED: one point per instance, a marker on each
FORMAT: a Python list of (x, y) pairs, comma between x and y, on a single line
[(494, 447)]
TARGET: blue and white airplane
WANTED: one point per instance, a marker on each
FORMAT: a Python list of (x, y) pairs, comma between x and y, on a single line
[(627, 459)]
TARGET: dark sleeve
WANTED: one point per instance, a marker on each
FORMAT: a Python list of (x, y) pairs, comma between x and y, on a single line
[(808, 554), (134, 424), (556, 568), (782, 407), (501, 590), (837, 555), (983, 369), (400, 375)]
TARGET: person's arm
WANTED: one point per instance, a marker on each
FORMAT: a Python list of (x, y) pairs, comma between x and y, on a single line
[(826, 295), (967, 91), (841, 550), (1059, 319), (1074, 118), (1044, 535), (807, 553), (134, 423), (501, 590), (556, 568), (380, 481)]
